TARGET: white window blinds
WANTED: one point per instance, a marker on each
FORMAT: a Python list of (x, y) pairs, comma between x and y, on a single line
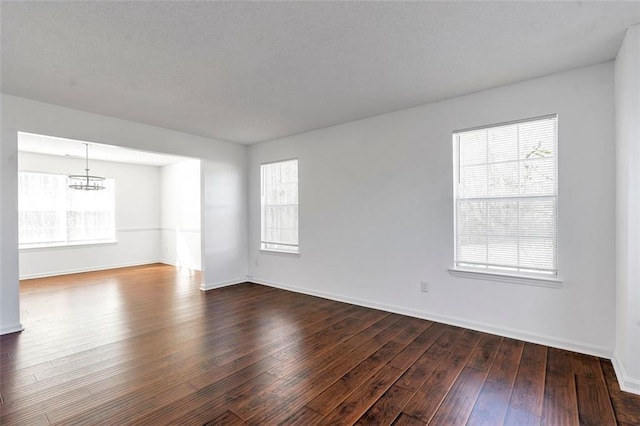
[(279, 205), (52, 214), (506, 198)]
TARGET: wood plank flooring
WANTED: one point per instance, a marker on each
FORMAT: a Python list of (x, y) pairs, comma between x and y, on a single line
[(144, 346)]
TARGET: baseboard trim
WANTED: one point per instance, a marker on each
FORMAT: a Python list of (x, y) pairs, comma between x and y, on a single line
[(170, 263), (459, 322), (220, 284), (81, 270), (627, 384), (15, 328)]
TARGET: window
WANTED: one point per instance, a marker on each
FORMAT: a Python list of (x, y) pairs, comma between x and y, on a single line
[(51, 214), (506, 198), (279, 205)]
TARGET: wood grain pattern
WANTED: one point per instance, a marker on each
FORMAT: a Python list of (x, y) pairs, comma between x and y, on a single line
[(143, 345), (528, 389), (357, 403), (405, 420), (594, 405), (303, 417), (625, 405), (226, 418), (353, 379), (560, 401), (483, 355), (387, 407), (458, 403), (491, 406), (516, 417), (506, 363), (428, 398), (586, 365)]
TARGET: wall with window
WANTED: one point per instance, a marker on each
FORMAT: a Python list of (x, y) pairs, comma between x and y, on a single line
[(376, 213), (137, 219), (180, 214)]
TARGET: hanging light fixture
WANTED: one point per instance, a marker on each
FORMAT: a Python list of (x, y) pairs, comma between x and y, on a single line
[(86, 182)]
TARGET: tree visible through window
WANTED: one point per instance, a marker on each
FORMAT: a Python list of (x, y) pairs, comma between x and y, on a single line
[(506, 197), (50, 213), (279, 205)]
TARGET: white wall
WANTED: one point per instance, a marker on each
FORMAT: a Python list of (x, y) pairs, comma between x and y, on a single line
[(180, 214), (137, 204), (224, 214), (376, 214), (627, 98)]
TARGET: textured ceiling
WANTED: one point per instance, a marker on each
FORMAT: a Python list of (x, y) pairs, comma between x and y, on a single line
[(249, 72)]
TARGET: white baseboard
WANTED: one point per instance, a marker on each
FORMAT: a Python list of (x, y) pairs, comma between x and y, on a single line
[(219, 284), (551, 341), (627, 384), (81, 270), (171, 263), (14, 328)]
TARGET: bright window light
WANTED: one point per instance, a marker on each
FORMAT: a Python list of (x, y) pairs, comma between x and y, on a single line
[(506, 198), (279, 205), (52, 214)]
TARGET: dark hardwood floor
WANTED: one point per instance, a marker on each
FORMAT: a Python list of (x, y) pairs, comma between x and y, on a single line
[(144, 346)]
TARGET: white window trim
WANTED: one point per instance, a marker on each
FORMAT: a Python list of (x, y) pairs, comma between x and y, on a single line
[(552, 281), (281, 252)]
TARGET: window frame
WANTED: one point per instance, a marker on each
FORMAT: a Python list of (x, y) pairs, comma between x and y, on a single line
[(495, 274), (264, 244), (71, 244)]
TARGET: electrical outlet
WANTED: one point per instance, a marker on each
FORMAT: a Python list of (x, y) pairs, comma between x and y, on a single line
[(257, 262), (424, 286)]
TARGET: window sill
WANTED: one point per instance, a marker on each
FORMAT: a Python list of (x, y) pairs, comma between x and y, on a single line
[(67, 246), (514, 279), (280, 252)]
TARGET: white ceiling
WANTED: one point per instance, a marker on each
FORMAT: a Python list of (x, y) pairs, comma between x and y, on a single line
[(253, 71), (39, 144)]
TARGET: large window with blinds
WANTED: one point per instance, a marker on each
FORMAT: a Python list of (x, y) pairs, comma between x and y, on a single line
[(279, 206), (52, 214), (506, 198)]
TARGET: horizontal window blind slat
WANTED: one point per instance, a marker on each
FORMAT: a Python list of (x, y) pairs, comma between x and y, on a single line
[(509, 198), (497, 265)]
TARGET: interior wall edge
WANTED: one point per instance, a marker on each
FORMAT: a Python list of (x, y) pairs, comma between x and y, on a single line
[(224, 283), (627, 384), (14, 328)]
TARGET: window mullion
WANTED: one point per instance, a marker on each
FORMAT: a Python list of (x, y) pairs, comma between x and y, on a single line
[(486, 205), (518, 202)]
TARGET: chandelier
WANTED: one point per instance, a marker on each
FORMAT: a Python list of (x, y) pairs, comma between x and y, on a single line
[(86, 182)]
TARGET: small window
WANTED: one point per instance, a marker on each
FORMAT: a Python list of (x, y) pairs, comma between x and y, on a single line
[(506, 198), (52, 214), (279, 205)]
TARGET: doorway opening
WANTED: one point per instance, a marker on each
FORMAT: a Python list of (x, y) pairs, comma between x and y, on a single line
[(150, 211)]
